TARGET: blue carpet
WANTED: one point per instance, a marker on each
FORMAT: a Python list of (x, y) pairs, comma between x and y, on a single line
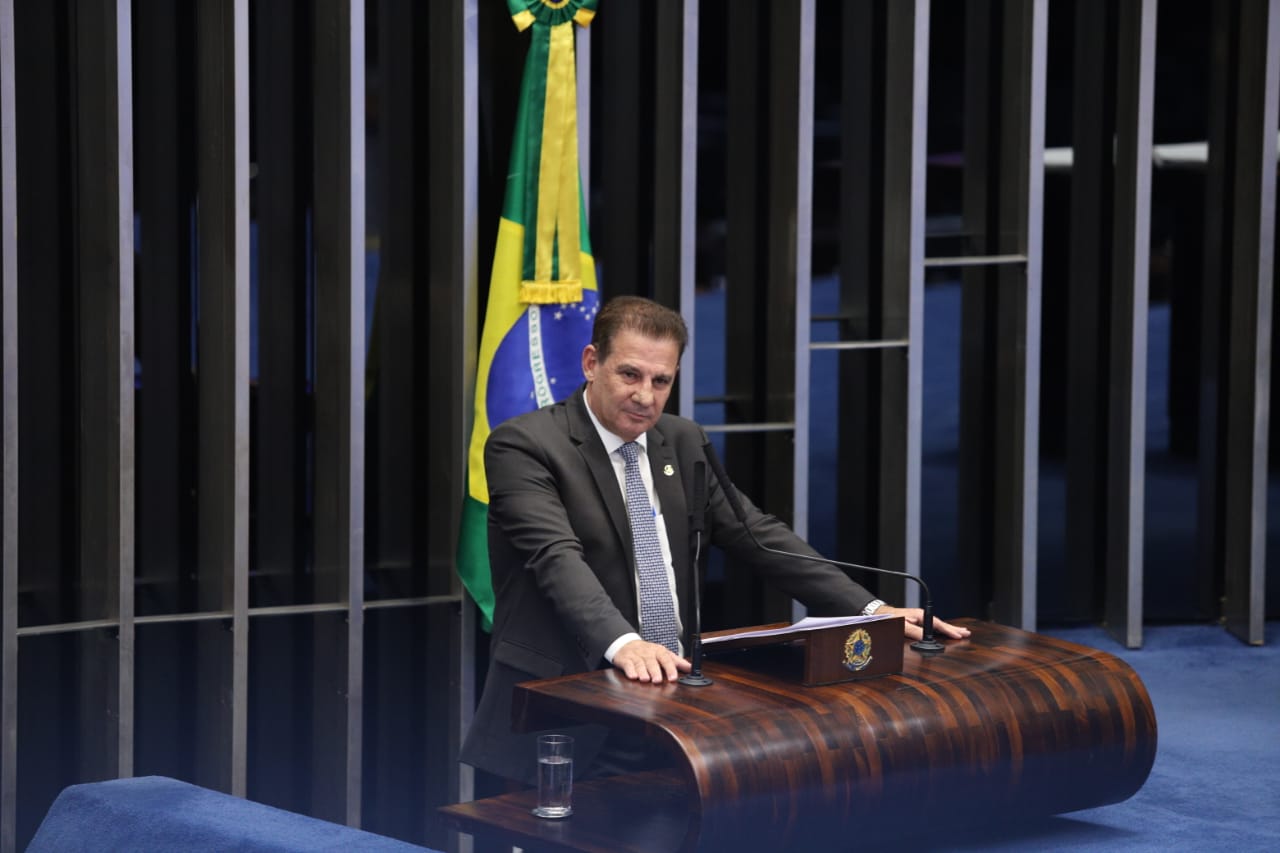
[(1215, 785)]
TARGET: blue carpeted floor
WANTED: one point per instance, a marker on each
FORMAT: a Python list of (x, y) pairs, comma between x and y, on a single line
[(1215, 785)]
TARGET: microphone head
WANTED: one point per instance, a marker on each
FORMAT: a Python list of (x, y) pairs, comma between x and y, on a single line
[(698, 508)]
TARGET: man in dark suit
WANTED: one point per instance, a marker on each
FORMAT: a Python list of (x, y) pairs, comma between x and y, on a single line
[(582, 578)]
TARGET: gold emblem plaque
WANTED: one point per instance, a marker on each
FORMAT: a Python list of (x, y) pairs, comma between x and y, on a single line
[(857, 650)]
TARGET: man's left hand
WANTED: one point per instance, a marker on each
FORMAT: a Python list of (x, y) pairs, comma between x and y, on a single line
[(644, 661), (913, 618)]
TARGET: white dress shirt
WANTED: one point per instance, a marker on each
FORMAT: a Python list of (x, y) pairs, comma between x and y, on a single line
[(611, 445)]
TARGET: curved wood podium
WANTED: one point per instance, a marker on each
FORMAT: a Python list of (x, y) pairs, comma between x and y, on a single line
[(1004, 724)]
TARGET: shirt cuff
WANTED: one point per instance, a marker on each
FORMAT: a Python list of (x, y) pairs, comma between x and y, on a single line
[(619, 643), (872, 606)]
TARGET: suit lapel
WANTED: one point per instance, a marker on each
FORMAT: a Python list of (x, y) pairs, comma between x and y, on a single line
[(584, 435)]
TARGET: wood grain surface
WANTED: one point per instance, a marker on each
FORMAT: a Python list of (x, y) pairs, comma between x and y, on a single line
[(1006, 723)]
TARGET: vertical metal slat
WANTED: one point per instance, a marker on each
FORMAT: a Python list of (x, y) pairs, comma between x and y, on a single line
[(9, 395), (339, 216), (1135, 84), (802, 259), (462, 670), (126, 338), (104, 271), (1253, 186), (802, 274), (688, 203), (449, 334), (223, 407), (1017, 387), (668, 150)]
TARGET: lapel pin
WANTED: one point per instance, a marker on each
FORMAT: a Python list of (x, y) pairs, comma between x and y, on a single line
[(668, 470)]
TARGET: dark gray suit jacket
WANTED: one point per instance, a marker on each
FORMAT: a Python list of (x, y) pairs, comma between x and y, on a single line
[(563, 567)]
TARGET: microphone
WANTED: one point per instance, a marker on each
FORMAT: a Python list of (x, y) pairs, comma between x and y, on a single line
[(697, 525), (698, 519), (928, 645)]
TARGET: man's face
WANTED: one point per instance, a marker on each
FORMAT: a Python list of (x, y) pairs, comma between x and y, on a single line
[(628, 390)]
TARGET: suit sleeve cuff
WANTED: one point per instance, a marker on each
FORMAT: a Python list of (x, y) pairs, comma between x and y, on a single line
[(618, 644)]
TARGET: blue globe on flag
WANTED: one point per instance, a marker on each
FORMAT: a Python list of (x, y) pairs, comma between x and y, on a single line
[(539, 361)]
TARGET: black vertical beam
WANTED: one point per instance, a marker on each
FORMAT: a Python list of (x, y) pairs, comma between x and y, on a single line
[(451, 275), (1023, 40), (1110, 234), (746, 256), (1236, 309), (1003, 186), (1126, 408), (281, 425), (745, 197), (223, 402), (1213, 298), (48, 570), (104, 274), (394, 360), (905, 124), (674, 152), (978, 304), (279, 773), (1251, 182), (9, 434), (1087, 343), (762, 196), (789, 245), (47, 406), (164, 201), (862, 152), (620, 239), (446, 335), (339, 229)]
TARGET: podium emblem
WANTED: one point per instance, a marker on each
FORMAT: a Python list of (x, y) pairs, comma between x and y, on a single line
[(857, 650)]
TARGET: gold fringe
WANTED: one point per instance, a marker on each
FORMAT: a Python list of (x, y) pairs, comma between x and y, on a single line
[(550, 292)]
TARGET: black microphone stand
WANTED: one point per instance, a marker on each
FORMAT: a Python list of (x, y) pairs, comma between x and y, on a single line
[(695, 678), (926, 645)]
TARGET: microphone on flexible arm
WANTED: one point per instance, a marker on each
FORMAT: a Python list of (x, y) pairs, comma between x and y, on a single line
[(697, 525), (927, 645)]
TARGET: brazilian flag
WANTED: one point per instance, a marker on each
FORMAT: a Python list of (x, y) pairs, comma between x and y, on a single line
[(542, 295)]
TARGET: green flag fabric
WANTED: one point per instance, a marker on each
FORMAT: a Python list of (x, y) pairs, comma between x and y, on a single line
[(543, 296)]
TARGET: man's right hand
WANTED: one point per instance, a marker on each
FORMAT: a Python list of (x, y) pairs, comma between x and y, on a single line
[(640, 660)]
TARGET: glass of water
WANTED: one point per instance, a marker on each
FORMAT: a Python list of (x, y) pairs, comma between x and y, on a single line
[(555, 776)]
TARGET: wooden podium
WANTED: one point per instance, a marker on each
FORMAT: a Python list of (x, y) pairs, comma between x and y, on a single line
[(1004, 724)]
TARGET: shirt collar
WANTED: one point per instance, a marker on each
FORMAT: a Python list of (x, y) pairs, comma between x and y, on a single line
[(611, 441)]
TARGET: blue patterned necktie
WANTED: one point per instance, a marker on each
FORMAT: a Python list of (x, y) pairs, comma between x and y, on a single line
[(657, 613)]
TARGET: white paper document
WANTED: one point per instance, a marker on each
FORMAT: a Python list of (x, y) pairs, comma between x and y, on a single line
[(808, 623)]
